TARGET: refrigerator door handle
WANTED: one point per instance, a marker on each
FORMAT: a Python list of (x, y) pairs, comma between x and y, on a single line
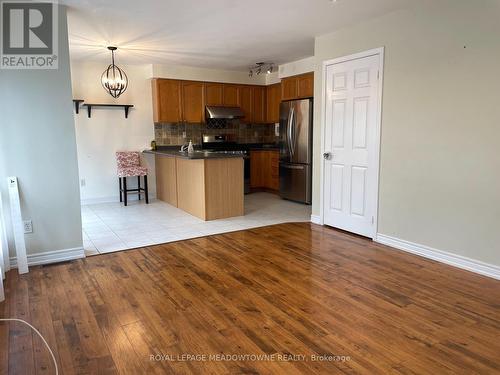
[(291, 131), (288, 166)]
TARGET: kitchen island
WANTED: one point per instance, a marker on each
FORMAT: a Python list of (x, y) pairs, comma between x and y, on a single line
[(208, 185)]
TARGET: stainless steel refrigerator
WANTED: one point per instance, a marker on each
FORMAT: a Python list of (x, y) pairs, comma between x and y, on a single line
[(296, 150)]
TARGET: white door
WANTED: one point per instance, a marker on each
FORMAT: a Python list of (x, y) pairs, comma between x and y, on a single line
[(351, 145)]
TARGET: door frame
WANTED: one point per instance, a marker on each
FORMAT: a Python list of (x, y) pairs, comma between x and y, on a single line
[(378, 123)]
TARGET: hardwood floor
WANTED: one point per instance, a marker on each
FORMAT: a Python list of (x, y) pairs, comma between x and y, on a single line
[(294, 289)]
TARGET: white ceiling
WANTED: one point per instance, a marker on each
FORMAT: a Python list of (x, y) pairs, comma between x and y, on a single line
[(223, 34)]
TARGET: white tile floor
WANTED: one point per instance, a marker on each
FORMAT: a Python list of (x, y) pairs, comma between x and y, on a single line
[(112, 227)]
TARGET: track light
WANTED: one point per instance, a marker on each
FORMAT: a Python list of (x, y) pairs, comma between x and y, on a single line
[(260, 67)]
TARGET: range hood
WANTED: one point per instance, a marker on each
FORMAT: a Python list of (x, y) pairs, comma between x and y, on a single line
[(217, 112)]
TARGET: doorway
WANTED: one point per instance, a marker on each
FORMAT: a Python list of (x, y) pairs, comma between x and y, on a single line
[(351, 141)]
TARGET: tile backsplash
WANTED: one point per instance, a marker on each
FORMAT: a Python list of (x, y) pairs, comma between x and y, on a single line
[(172, 134)]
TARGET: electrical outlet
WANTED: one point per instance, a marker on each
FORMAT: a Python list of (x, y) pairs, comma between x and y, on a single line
[(184, 135), (82, 182), (28, 226), (277, 129)]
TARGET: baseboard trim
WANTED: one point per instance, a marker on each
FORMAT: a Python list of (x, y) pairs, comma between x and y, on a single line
[(455, 260), (316, 219), (51, 257)]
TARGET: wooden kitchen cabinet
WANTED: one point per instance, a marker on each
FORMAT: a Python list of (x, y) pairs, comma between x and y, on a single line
[(264, 169), (166, 100), (214, 93), (166, 179), (207, 188), (230, 95), (289, 88), (273, 103), (274, 183), (176, 101), (193, 103), (256, 169), (297, 87), (259, 104), (305, 86), (245, 102), (210, 188)]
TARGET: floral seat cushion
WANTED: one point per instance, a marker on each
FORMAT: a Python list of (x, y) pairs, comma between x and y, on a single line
[(132, 171)]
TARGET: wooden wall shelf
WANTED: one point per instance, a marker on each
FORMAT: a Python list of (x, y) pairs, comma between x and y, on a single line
[(89, 106)]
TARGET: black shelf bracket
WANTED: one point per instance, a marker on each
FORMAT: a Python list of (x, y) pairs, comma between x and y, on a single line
[(89, 106), (77, 103)]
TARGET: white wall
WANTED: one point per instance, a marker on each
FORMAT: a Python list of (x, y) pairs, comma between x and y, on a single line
[(107, 131), (292, 68), (297, 67), (37, 144), (202, 74), (273, 78), (440, 160)]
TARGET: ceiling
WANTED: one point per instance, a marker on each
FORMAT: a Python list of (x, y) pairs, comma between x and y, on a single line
[(222, 34)]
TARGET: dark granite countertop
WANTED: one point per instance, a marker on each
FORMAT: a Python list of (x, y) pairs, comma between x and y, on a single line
[(173, 151), (197, 154)]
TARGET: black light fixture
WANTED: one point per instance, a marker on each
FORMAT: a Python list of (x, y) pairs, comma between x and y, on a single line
[(260, 67), (113, 79)]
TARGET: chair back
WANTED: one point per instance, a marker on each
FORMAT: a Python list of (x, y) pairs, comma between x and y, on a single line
[(127, 159)]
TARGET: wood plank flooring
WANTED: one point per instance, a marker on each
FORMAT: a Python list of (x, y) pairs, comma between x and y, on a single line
[(290, 289)]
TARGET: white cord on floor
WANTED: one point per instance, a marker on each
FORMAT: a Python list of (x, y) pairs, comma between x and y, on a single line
[(39, 334)]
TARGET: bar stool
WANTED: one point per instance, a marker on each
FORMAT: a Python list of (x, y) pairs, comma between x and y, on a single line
[(129, 165)]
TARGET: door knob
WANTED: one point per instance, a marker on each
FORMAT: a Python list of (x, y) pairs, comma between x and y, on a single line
[(327, 155)]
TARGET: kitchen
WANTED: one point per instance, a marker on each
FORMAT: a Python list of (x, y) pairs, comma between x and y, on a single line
[(235, 179)]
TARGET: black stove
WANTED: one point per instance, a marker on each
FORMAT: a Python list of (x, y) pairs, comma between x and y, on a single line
[(222, 143)]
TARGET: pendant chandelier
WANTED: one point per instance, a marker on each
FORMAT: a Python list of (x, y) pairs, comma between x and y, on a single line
[(113, 79)]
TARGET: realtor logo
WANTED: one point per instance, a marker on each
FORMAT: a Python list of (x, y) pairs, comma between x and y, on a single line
[(28, 35)]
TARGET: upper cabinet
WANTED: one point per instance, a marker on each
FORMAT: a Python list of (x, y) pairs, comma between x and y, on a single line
[(193, 103), (167, 100), (305, 85), (184, 101), (245, 102), (259, 104), (289, 88), (230, 95), (273, 103), (297, 87), (214, 93)]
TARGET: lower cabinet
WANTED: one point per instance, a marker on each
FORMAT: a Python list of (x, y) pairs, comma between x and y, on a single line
[(264, 169), (210, 188), (206, 188), (166, 179)]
